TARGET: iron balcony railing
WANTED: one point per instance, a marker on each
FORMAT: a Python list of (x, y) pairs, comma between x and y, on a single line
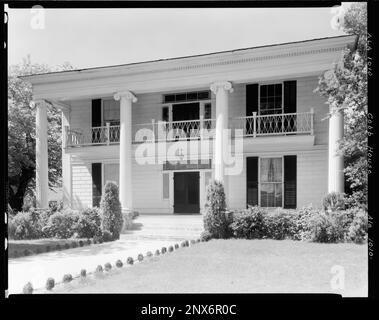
[(251, 126)]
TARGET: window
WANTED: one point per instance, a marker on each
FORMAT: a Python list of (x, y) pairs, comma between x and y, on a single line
[(271, 182), (186, 96), (111, 173), (166, 185), (271, 99), (111, 112)]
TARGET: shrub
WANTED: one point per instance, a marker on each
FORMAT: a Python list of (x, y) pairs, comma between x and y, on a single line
[(358, 228), (119, 264), (50, 283), (170, 249), (140, 257), (106, 236), (27, 289), (67, 245), (88, 242), (38, 250), (183, 244), (27, 252), (25, 225), (302, 223), (62, 224), (58, 247), (81, 244), (205, 236), (281, 224), (215, 220), (249, 223), (47, 249), (74, 244), (112, 220), (164, 250), (83, 273), (107, 266), (149, 254), (15, 253), (29, 201), (89, 223), (198, 240), (157, 253), (55, 206), (67, 278), (334, 201), (176, 246), (129, 260), (192, 242), (326, 228), (99, 269)]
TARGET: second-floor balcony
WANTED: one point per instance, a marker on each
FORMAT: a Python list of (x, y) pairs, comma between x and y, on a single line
[(250, 127)]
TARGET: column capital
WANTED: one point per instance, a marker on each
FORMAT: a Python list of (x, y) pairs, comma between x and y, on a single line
[(224, 85), (128, 95), (38, 102)]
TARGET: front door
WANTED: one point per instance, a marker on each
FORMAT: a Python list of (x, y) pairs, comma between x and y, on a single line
[(186, 192)]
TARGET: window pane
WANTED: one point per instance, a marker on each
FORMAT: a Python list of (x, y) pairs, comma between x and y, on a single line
[(111, 173), (207, 111), (271, 170), (111, 111), (166, 185), (271, 194), (270, 92)]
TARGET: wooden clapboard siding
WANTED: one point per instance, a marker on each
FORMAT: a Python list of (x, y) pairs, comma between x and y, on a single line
[(81, 185), (312, 177), (307, 99)]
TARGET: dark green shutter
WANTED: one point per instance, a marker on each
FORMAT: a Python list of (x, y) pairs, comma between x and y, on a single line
[(96, 113), (165, 114), (290, 190), (96, 184), (290, 96), (252, 181), (251, 99)]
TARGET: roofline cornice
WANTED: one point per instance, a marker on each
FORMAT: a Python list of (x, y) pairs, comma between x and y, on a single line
[(250, 55)]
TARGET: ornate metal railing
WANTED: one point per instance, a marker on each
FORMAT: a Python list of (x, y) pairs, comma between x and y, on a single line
[(275, 124), (93, 136), (174, 130), (252, 126)]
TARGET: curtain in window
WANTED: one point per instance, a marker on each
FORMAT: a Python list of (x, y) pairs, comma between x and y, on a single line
[(271, 182), (271, 170)]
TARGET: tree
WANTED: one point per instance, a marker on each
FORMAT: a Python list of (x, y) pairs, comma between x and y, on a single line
[(345, 87), (21, 134)]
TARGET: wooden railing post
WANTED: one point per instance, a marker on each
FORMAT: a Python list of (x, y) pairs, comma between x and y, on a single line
[(255, 124), (312, 118), (108, 133)]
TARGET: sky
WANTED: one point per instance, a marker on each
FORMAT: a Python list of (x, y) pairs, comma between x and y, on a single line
[(93, 37)]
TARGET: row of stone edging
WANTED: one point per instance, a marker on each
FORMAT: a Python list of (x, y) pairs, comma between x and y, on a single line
[(67, 278), (70, 244)]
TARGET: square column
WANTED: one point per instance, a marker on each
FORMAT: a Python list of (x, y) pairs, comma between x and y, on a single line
[(42, 169), (336, 180), (126, 152)]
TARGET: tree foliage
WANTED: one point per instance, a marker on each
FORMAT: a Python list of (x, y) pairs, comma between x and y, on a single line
[(21, 133), (345, 87)]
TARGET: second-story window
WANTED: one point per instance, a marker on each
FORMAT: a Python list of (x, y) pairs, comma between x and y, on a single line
[(111, 112), (271, 99)]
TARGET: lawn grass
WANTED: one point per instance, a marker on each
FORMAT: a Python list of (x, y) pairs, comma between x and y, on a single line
[(240, 266), (16, 248)]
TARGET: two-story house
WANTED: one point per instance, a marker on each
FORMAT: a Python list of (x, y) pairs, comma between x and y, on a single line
[(121, 123)]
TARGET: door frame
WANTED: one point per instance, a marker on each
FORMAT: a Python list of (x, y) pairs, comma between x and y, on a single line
[(200, 180)]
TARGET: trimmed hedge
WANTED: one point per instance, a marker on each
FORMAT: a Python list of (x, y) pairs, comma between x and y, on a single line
[(304, 224)]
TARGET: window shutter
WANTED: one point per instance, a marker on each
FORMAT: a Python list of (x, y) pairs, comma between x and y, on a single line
[(290, 96), (165, 114), (96, 113), (290, 168), (251, 99), (252, 181), (96, 184)]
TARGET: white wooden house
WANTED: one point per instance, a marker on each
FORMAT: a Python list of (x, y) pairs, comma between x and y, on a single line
[(118, 123)]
